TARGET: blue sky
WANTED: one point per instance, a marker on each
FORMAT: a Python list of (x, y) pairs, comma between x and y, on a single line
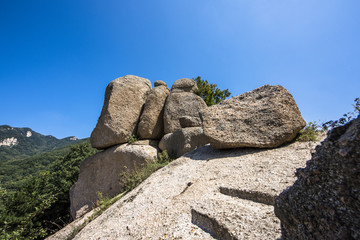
[(57, 57)]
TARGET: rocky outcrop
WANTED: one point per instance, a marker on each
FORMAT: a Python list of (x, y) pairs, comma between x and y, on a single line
[(263, 118), (101, 173), (182, 141), (151, 124), (178, 105), (206, 194), (124, 100), (184, 85), (324, 201)]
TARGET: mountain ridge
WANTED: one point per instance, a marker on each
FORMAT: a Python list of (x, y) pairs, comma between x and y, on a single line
[(16, 143)]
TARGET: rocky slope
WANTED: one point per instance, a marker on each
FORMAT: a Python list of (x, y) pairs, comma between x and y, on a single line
[(206, 194)]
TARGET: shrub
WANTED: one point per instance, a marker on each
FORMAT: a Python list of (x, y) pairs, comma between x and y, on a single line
[(347, 117), (133, 138), (130, 180), (209, 92), (309, 133)]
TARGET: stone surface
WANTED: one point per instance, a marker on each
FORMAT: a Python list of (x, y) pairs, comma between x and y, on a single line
[(182, 141), (151, 125), (124, 100), (159, 83), (324, 201), (184, 85), (154, 143), (263, 118), (187, 121), (181, 105), (101, 173), (206, 194)]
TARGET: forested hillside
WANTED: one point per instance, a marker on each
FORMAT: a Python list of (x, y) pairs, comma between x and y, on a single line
[(38, 205), (18, 143)]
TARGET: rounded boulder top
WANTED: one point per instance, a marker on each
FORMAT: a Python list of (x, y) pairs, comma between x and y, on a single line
[(184, 85), (159, 83)]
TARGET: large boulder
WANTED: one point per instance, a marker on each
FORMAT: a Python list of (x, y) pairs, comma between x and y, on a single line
[(179, 105), (263, 118), (151, 125), (182, 141), (124, 100), (101, 173), (184, 85), (324, 201)]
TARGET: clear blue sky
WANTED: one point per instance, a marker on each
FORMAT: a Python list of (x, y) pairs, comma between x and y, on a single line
[(57, 57)]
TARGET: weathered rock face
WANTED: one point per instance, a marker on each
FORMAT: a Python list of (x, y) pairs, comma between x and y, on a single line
[(187, 121), (183, 140), (124, 100), (180, 105), (205, 195), (101, 173), (151, 125), (184, 85), (265, 117), (324, 202)]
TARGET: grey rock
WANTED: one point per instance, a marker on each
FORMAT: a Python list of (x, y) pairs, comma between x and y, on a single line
[(159, 83), (101, 173), (207, 194), (180, 105), (263, 118), (151, 124), (154, 143), (184, 85), (187, 121), (324, 201), (124, 100), (183, 140)]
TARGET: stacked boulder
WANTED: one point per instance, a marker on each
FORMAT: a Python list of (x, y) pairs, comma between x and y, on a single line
[(182, 123), (265, 117), (131, 107)]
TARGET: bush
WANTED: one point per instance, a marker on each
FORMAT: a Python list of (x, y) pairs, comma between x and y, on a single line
[(130, 180), (309, 133), (347, 117), (209, 92)]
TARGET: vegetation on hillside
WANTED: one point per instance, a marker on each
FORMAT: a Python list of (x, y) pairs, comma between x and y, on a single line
[(209, 92), (313, 129), (39, 205)]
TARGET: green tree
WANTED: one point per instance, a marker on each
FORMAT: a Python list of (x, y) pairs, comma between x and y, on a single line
[(209, 92)]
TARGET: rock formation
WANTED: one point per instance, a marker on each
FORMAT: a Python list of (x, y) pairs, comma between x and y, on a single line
[(324, 201), (182, 102), (182, 141), (263, 118), (101, 173), (124, 100), (151, 125), (131, 106), (184, 85), (206, 194)]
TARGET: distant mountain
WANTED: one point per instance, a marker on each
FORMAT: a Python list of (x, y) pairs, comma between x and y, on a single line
[(16, 143)]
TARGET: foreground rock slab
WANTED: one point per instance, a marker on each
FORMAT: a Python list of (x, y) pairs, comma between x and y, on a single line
[(324, 201), (206, 194), (263, 118), (124, 100), (101, 173)]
